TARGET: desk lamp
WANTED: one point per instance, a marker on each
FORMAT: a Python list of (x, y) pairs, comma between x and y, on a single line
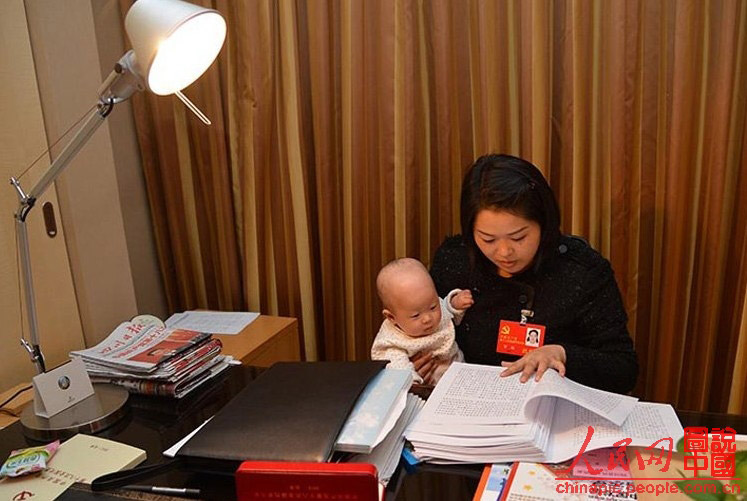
[(173, 42)]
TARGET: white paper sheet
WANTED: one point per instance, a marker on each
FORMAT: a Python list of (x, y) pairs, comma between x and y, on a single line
[(213, 322), (171, 451), (610, 405), (393, 417)]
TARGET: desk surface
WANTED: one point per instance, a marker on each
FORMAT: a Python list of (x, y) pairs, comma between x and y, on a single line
[(263, 342), (154, 424), (266, 340)]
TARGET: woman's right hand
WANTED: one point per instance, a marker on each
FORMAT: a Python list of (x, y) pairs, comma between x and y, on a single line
[(424, 365)]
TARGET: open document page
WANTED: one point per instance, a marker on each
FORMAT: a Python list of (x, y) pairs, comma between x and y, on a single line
[(611, 406), (647, 423), (477, 394)]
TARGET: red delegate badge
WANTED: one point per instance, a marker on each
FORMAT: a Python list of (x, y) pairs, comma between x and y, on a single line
[(517, 339)]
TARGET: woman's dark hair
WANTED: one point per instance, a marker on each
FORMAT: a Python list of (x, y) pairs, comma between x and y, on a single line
[(505, 182)]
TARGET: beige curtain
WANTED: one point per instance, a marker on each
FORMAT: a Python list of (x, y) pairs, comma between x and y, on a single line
[(342, 130)]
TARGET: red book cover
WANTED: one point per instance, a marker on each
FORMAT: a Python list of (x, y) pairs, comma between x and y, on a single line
[(264, 480)]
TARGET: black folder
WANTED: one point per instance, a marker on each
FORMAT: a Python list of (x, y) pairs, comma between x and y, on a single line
[(292, 412)]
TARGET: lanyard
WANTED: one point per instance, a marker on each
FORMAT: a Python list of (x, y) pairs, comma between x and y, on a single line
[(525, 315), (527, 300)]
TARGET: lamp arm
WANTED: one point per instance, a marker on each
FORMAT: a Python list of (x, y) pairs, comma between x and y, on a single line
[(33, 348), (25, 204), (76, 143), (121, 83)]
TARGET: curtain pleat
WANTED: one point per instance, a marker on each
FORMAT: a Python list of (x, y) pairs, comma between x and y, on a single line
[(342, 130), (734, 312)]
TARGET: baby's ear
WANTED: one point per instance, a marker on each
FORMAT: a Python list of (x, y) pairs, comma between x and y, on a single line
[(387, 314)]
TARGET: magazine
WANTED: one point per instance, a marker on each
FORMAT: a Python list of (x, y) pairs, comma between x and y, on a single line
[(140, 348), (177, 388), (548, 482), (170, 370)]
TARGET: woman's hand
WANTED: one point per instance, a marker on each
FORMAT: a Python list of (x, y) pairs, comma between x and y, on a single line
[(424, 365), (537, 362)]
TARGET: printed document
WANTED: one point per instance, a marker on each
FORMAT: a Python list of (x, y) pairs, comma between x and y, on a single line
[(213, 322), (476, 416), (477, 394)]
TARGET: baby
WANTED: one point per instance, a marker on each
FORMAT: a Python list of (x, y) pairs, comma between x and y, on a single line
[(416, 320)]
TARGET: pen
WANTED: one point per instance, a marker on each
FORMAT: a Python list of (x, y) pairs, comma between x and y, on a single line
[(169, 491)]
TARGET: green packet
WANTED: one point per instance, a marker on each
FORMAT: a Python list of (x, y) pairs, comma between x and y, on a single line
[(31, 460)]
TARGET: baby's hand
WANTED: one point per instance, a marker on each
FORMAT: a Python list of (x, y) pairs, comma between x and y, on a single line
[(462, 300)]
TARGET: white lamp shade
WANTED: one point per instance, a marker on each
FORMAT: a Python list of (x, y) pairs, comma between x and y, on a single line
[(174, 42)]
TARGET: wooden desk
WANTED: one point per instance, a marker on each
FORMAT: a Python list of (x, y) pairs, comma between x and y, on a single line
[(16, 405), (262, 343), (265, 341), (156, 423)]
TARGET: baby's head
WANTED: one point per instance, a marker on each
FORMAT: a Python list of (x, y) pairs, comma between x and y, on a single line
[(409, 297)]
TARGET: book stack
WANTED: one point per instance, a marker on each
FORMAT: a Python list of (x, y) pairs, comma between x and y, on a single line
[(374, 429), (376, 411), (155, 360), (476, 416), (385, 456)]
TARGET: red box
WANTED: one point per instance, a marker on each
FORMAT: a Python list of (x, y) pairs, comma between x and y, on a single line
[(267, 480)]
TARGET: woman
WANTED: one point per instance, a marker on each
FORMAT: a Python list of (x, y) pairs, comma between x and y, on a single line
[(522, 271)]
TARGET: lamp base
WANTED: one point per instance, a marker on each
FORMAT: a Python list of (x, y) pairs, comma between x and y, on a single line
[(105, 407)]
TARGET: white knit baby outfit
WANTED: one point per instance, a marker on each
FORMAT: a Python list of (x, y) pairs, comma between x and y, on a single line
[(394, 345)]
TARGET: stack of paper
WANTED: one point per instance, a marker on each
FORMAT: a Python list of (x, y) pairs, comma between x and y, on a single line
[(376, 412), (385, 456), (476, 416)]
